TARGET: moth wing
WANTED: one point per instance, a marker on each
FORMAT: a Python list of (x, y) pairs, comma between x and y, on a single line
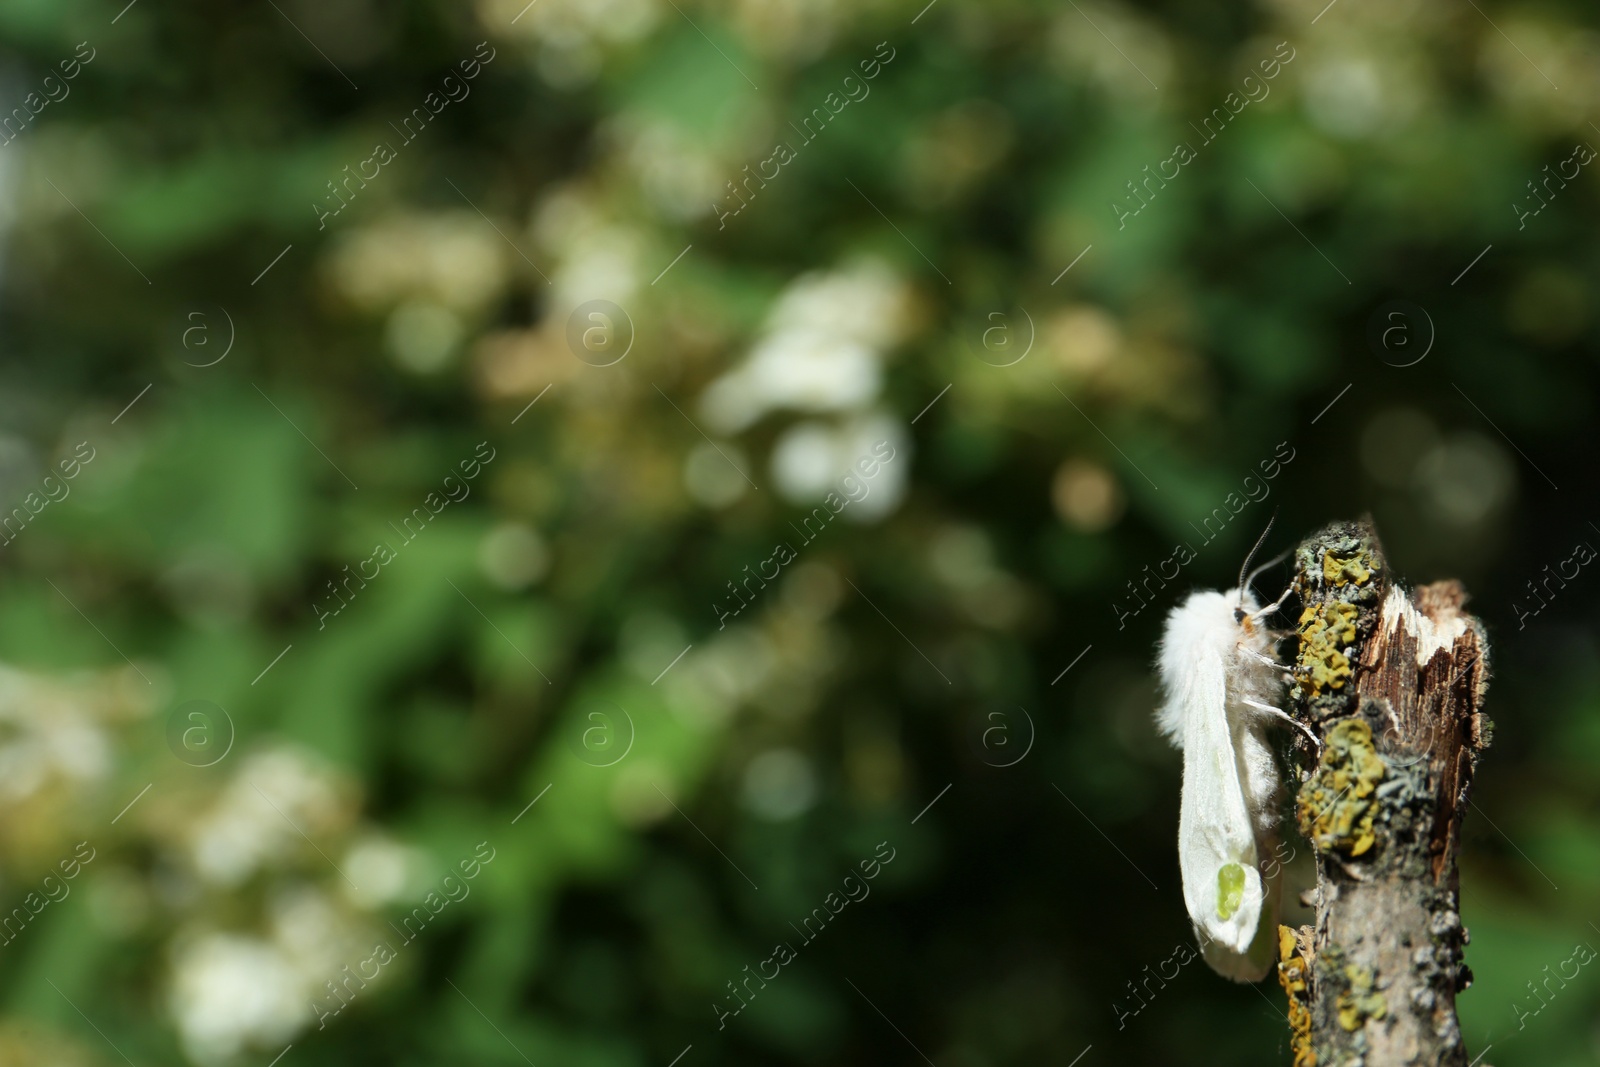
[(1250, 966), (1222, 886)]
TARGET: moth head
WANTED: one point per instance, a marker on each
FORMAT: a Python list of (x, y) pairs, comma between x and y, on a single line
[(1243, 605)]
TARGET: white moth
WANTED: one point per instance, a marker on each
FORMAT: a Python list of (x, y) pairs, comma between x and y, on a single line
[(1220, 681)]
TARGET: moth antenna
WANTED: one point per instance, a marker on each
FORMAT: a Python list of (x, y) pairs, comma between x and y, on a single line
[(1273, 562), (1259, 542)]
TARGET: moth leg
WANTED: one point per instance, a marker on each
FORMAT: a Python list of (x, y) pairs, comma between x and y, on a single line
[(1261, 613), (1259, 657), (1286, 717), (1289, 670)]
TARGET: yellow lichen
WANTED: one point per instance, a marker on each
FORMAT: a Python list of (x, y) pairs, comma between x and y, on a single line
[(1294, 975), (1360, 1001), (1336, 808), (1324, 629), (1345, 570)]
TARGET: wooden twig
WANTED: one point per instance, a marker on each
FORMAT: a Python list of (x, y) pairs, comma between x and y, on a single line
[(1392, 684)]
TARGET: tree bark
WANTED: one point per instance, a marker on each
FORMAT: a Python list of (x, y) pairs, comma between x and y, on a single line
[(1392, 685)]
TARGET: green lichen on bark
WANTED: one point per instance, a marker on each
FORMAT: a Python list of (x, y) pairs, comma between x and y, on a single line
[(1392, 681), (1339, 578), (1337, 809), (1353, 998), (1330, 1010), (1402, 808), (1355, 567), (1359, 1000), (1325, 631), (1294, 975)]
